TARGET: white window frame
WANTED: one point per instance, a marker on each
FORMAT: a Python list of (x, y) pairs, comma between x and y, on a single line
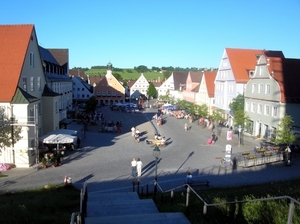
[(31, 83), (260, 88), (267, 89), (259, 108), (267, 110), (274, 111), (253, 88), (252, 107)]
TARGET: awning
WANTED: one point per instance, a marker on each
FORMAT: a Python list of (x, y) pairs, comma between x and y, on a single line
[(61, 136)]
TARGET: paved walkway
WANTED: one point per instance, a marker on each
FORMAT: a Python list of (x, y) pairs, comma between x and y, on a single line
[(104, 160)]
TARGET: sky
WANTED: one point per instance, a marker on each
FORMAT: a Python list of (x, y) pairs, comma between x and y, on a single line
[(160, 33)]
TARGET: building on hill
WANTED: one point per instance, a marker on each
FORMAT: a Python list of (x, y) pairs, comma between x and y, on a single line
[(109, 90)]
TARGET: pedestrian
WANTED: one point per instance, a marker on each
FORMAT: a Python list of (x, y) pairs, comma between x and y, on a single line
[(185, 127), (133, 168), (139, 165), (132, 131), (189, 178), (213, 138)]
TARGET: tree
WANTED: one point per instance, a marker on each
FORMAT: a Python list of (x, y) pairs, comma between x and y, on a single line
[(118, 76), (237, 110), (151, 91), (9, 134), (91, 105), (167, 74), (217, 115), (141, 69), (284, 134)]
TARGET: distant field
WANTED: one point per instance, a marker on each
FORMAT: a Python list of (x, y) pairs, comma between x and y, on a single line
[(127, 74)]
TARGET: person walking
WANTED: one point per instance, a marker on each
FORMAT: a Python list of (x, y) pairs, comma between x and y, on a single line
[(133, 168), (132, 131), (139, 165), (213, 138)]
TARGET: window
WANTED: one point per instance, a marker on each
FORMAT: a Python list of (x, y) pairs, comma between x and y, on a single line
[(267, 90), (31, 84), (103, 93), (40, 108), (83, 96), (259, 109), (39, 84), (82, 89), (267, 110), (274, 112), (113, 93), (31, 116), (108, 93), (119, 94), (247, 106), (56, 107), (253, 88), (98, 93), (31, 59), (78, 89), (25, 84), (253, 107), (260, 88)]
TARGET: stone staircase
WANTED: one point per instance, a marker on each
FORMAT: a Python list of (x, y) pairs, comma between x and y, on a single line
[(127, 208)]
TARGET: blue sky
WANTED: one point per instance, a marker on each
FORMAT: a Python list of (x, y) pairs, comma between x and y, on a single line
[(183, 33)]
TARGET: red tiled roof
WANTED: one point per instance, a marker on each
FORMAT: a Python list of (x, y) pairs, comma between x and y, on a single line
[(243, 60), (14, 41), (210, 82)]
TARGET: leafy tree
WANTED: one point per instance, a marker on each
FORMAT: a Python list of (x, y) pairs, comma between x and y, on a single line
[(217, 115), (284, 134), (167, 74), (141, 69), (202, 110), (9, 134), (237, 103), (118, 76), (151, 91), (155, 68), (237, 109), (91, 105)]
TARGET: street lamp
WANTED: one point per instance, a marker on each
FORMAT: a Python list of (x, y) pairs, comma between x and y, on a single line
[(240, 130), (156, 154)]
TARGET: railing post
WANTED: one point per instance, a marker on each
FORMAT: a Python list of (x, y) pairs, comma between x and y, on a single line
[(155, 189), (291, 211), (187, 196)]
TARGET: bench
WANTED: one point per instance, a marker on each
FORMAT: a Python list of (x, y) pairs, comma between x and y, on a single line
[(198, 183)]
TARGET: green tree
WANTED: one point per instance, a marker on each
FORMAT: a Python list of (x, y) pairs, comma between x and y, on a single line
[(117, 76), (9, 134), (167, 74), (141, 69), (237, 109), (284, 134), (237, 103), (217, 115), (151, 91), (91, 105)]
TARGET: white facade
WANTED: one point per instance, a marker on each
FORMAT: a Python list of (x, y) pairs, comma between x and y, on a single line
[(139, 87), (166, 86), (81, 89)]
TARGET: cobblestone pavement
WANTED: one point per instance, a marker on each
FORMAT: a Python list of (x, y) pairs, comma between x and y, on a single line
[(104, 158)]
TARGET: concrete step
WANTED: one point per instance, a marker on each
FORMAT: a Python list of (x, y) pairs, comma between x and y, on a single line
[(157, 218), (121, 207), (113, 196)]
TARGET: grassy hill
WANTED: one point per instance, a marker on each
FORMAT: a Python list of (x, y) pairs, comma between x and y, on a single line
[(127, 74)]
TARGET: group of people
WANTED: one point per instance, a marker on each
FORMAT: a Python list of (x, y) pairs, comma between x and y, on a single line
[(135, 132), (136, 167)]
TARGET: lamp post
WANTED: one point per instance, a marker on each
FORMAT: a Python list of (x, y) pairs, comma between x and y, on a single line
[(156, 154), (240, 130)]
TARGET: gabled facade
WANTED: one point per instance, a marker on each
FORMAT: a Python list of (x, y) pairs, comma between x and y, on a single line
[(192, 86), (206, 91), (56, 69), (22, 82), (82, 91), (272, 92), (232, 76), (166, 87), (179, 80), (139, 87), (109, 90)]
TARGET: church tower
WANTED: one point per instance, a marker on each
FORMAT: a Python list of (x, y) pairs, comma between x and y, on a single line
[(109, 71)]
